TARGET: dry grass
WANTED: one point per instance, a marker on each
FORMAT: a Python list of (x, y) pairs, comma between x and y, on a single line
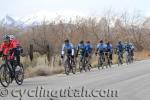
[(142, 55), (42, 71), (39, 67)]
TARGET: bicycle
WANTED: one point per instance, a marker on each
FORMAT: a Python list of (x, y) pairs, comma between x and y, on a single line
[(70, 65), (101, 60), (10, 71), (120, 58), (129, 57), (84, 63), (108, 60)]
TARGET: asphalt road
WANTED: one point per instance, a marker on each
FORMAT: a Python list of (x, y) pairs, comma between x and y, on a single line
[(127, 82)]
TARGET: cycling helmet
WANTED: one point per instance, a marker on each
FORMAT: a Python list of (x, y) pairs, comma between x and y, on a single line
[(81, 42), (12, 37), (6, 37), (119, 42), (66, 41), (101, 41)]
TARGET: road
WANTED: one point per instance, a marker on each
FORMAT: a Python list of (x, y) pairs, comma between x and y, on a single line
[(127, 82)]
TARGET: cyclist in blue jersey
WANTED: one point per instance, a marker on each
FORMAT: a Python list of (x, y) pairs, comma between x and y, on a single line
[(81, 50), (67, 49), (101, 47), (120, 48), (109, 49), (89, 49)]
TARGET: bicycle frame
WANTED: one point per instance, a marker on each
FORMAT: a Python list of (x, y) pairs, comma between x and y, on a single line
[(8, 63)]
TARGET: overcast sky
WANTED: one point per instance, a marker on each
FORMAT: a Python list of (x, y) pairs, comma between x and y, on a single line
[(20, 8)]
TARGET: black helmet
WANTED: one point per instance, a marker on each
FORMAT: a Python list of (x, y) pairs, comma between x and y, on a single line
[(81, 42), (101, 41), (66, 41), (119, 42)]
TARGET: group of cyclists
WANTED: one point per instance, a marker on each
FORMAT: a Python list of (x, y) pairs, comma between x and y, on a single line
[(104, 50), (11, 49)]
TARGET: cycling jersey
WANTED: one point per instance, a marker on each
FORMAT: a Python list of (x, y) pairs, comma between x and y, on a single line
[(67, 48), (6, 48), (109, 48), (128, 47), (101, 47), (120, 48), (88, 48), (81, 48)]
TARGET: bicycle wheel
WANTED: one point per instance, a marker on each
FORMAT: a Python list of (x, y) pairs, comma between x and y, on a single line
[(127, 59), (84, 65), (19, 74), (100, 63), (73, 67), (80, 66), (88, 65), (67, 67), (109, 62), (120, 60), (5, 76)]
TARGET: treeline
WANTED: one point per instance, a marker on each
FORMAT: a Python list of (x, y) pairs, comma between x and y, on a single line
[(109, 27)]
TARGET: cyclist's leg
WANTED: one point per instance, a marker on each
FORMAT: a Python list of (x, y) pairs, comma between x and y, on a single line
[(17, 56), (110, 57)]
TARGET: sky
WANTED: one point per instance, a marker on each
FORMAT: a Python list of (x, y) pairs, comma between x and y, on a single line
[(21, 8)]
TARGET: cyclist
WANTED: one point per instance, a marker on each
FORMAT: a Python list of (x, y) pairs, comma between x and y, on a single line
[(18, 49), (67, 48), (101, 49), (109, 50), (81, 49), (89, 49), (132, 49), (129, 47), (120, 48), (8, 48)]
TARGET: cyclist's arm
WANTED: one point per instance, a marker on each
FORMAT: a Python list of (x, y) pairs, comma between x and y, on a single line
[(72, 48), (97, 48), (63, 50)]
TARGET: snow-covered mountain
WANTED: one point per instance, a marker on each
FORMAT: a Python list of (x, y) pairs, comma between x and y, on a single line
[(51, 16), (11, 22), (39, 17)]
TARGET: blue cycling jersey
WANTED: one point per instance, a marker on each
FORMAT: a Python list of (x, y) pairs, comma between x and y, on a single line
[(81, 47), (68, 48), (109, 48), (102, 47), (120, 47), (88, 48)]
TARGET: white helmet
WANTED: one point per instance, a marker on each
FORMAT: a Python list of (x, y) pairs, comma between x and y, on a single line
[(12, 37)]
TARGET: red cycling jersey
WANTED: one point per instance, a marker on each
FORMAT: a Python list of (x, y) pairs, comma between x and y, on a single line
[(5, 48)]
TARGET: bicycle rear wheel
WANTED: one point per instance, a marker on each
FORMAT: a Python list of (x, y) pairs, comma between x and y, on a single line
[(73, 64), (5, 76), (67, 67), (80, 66), (19, 74)]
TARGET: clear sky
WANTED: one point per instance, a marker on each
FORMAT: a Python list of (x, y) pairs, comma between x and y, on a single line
[(20, 8)]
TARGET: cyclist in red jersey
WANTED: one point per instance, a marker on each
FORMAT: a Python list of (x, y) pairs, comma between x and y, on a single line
[(10, 47)]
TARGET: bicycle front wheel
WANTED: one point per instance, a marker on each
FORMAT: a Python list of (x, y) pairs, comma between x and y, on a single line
[(5, 76)]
